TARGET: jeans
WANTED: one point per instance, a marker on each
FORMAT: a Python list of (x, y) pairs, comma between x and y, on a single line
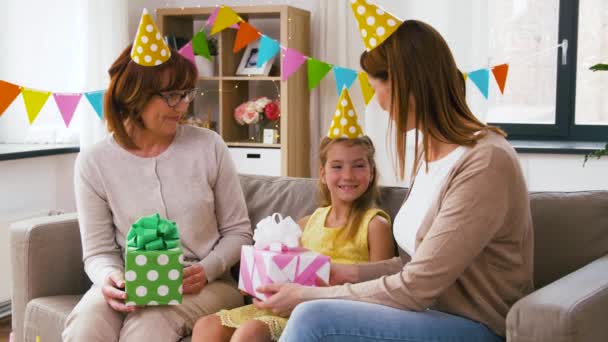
[(343, 320)]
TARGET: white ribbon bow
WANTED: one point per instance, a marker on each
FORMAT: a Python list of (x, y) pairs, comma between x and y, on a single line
[(274, 234)]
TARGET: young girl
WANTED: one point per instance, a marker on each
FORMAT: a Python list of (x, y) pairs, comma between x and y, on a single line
[(347, 227)]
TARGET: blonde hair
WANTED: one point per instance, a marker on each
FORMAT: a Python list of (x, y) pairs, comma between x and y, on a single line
[(364, 202), (417, 62)]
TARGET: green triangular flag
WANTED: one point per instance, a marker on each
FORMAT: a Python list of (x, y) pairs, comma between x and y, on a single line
[(200, 46), (316, 71), (34, 100)]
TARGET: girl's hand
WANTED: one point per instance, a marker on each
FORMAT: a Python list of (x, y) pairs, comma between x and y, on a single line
[(341, 274), (283, 298), (114, 294), (194, 279)]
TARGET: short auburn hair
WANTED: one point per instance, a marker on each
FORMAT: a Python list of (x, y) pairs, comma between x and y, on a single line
[(132, 86)]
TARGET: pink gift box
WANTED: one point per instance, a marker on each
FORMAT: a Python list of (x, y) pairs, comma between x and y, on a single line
[(294, 265)]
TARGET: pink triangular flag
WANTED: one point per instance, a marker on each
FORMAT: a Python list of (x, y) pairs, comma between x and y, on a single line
[(188, 52), (212, 17), (292, 60), (67, 103)]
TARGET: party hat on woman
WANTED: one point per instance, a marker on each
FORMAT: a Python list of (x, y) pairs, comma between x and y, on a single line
[(345, 122), (375, 24), (149, 47)]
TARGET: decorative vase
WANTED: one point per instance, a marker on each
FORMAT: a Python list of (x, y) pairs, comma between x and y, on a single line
[(256, 131), (206, 68)]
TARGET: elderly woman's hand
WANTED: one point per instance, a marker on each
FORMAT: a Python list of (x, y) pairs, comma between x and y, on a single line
[(114, 294), (194, 279), (283, 298)]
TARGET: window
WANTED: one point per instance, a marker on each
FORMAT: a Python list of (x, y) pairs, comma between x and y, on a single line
[(545, 98)]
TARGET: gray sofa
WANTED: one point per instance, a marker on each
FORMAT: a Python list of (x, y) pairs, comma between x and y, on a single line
[(571, 262)]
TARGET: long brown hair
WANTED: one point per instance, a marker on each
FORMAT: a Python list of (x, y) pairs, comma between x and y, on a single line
[(132, 86), (364, 202), (419, 65)]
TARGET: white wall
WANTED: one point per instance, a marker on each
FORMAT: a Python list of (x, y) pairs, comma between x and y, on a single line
[(32, 186)]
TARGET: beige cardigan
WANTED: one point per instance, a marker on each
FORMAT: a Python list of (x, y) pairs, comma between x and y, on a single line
[(474, 247)]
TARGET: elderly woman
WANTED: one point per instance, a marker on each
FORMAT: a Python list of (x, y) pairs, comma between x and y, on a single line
[(152, 164)]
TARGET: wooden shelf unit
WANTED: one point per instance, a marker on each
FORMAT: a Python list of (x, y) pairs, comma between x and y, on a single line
[(226, 90)]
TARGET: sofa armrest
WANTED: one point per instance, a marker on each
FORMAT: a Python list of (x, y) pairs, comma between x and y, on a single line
[(46, 260), (572, 308)]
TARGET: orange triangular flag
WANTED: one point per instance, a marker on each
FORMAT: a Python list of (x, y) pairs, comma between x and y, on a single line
[(225, 17), (34, 100), (500, 75), (245, 35), (8, 93)]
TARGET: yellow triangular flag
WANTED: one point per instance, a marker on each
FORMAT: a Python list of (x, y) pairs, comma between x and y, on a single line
[(366, 88), (345, 122), (465, 76), (225, 17), (34, 100), (375, 24), (149, 47)]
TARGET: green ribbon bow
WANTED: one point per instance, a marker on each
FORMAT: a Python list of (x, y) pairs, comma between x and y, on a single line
[(151, 233)]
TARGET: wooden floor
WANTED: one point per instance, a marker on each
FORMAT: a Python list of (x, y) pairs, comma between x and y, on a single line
[(5, 329)]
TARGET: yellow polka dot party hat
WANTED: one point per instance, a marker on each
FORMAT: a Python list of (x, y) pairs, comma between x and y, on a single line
[(345, 122), (149, 47), (375, 24)]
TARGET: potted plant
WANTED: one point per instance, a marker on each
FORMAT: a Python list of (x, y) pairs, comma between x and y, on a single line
[(259, 114), (206, 68), (603, 152)]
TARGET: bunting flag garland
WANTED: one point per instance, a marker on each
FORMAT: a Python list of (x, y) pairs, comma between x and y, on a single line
[(245, 35), (225, 18), (366, 88), (344, 77), (188, 52), (481, 79), (200, 46), (96, 100), (8, 93), (500, 75), (67, 104), (316, 71), (268, 49), (292, 60), (212, 17), (34, 101)]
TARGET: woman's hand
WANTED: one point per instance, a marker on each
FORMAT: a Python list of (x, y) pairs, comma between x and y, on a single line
[(114, 294), (194, 279), (283, 298)]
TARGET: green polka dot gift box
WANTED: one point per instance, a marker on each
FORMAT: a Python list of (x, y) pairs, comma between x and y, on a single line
[(153, 263)]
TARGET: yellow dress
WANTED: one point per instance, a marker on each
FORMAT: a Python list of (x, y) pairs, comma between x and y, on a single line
[(322, 240)]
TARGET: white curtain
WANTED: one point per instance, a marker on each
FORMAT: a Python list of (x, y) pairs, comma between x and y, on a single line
[(104, 25)]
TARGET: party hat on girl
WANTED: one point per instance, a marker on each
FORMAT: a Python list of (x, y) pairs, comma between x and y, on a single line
[(375, 24), (345, 122), (149, 47)]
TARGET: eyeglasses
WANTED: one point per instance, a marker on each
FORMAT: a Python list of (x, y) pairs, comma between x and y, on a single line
[(174, 98)]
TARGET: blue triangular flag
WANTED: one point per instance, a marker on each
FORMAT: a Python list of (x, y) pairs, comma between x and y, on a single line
[(344, 77), (481, 78), (96, 100), (268, 48)]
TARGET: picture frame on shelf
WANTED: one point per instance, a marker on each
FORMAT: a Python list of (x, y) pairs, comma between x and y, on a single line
[(248, 64)]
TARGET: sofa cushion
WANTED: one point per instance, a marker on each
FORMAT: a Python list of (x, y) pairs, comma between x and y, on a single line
[(45, 317), (570, 231)]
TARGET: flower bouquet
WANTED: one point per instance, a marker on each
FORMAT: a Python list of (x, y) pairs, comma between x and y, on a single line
[(259, 114)]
